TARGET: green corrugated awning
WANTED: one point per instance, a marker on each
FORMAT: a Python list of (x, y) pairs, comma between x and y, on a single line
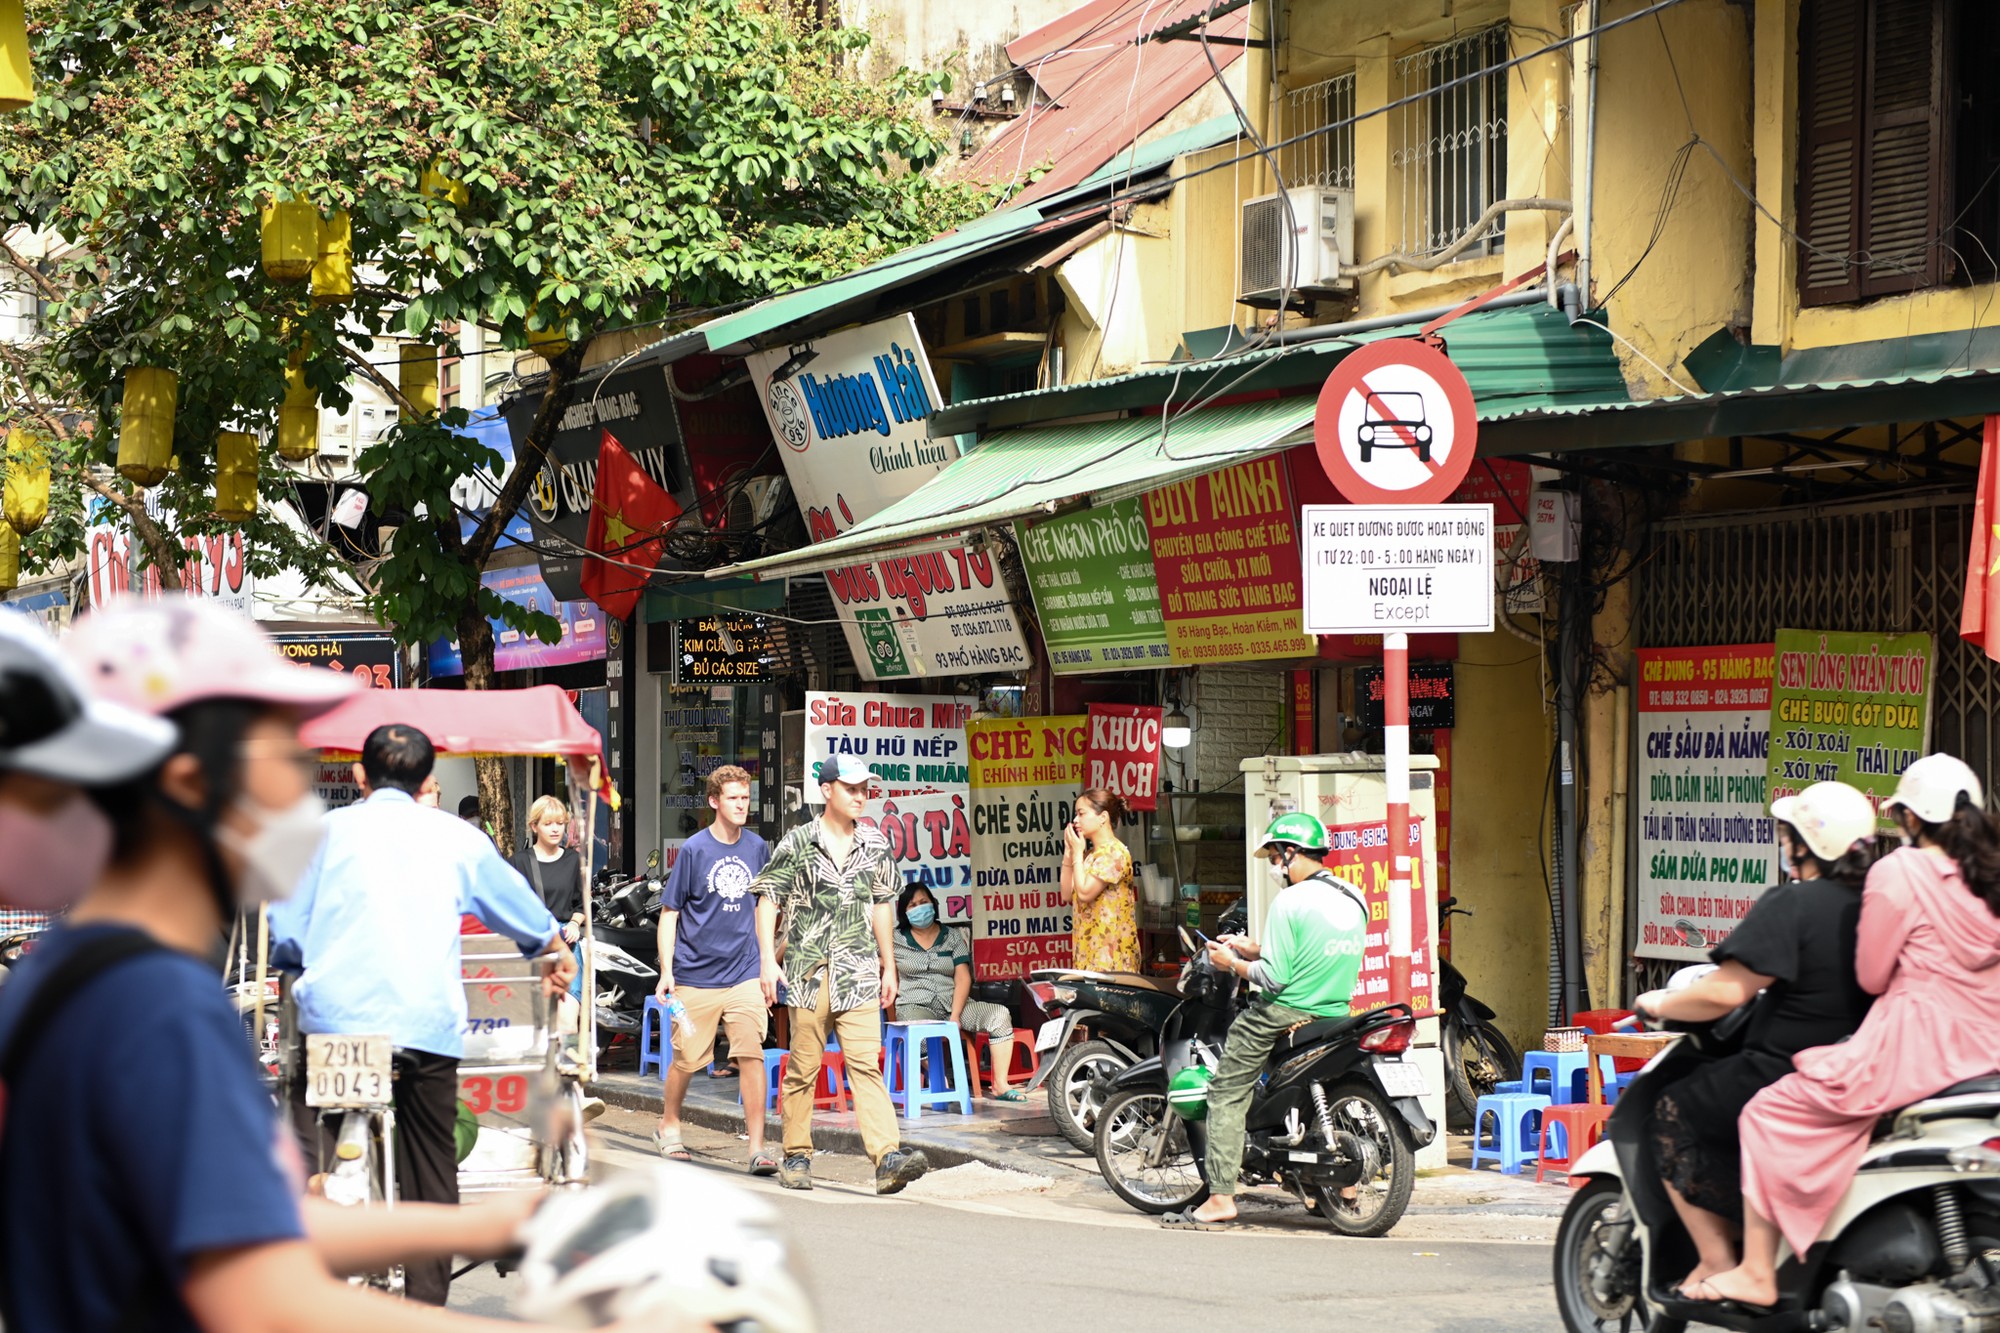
[(705, 598)]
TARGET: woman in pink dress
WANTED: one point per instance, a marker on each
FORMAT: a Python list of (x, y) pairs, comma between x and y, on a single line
[(1929, 946)]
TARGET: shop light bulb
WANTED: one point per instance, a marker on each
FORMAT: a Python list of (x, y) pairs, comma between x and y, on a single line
[(1176, 732)]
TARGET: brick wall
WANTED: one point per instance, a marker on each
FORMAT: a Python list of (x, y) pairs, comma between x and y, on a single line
[(1241, 715)]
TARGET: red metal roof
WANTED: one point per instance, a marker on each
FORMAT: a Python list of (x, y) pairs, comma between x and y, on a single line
[(1104, 87)]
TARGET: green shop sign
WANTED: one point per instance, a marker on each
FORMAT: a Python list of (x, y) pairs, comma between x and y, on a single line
[(1853, 708), (1095, 589)]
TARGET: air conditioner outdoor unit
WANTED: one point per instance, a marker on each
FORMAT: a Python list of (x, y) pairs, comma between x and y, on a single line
[(1287, 253)]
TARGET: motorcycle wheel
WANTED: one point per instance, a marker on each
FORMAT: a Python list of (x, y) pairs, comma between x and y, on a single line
[(1072, 1102), (1475, 1059), (1381, 1196), (1144, 1154), (1597, 1290)]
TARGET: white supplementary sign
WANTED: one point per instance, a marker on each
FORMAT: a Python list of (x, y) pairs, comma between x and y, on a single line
[(1419, 569)]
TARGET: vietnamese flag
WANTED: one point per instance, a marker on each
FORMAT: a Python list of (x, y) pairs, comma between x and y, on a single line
[(629, 518)]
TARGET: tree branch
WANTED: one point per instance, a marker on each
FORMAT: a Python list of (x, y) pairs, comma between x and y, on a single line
[(395, 391), (166, 557)]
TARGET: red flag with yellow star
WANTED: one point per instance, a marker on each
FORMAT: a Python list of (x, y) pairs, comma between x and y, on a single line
[(1979, 622), (629, 518)]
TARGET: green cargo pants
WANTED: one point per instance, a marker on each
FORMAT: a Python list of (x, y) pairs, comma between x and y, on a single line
[(1251, 1039)]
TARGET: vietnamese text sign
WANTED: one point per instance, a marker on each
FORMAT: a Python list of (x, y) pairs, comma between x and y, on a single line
[(1853, 708), (1707, 846), (702, 657), (1025, 774), (1385, 568), (1123, 755), (913, 743), (1360, 855), (1226, 552), (851, 424), (1095, 590), (931, 838), (372, 659), (215, 568), (582, 624), (1430, 689)]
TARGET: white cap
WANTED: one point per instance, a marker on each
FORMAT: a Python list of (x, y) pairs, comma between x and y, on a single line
[(1930, 788), (1830, 816), (52, 728)]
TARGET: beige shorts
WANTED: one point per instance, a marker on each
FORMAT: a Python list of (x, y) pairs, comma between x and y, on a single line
[(738, 1010)]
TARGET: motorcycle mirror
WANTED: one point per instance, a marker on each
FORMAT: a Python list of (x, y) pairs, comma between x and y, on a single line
[(1187, 940), (653, 859)]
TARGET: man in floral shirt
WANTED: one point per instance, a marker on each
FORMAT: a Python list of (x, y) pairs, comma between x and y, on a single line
[(836, 881)]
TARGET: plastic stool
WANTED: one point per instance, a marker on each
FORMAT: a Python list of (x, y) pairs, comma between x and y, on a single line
[(1579, 1127), (655, 1020), (1558, 1074), (774, 1076), (1604, 1022), (1513, 1088), (1615, 1085), (903, 1046), (1024, 1054), (1517, 1120)]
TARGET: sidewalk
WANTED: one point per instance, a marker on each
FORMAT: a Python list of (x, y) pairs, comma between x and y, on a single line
[(1021, 1137)]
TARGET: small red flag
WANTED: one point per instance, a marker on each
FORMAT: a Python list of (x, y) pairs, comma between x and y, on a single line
[(629, 517)]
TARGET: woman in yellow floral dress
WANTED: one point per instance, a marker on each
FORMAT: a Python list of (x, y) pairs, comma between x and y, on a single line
[(1097, 883)]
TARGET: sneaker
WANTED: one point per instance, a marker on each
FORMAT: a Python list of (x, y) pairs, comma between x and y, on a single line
[(796, 1173), (898, 1169)]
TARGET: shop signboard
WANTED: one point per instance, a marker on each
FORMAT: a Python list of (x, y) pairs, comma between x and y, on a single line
[(1706, 841), (852, 426), (931, 838), (913, 743), (1226, 552), (1853, 708), (215, 568), (583, 628), (368, 657), (1360, 855), (1123, 755), (634, 405), (1393, 568), (1096, 594), (1431, 696), (1025, 774), (702, 656)]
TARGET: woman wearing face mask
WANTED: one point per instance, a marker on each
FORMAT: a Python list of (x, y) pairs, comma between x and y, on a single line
[(1097, 881), (150, 1184), (1929, 949), (934, 981)]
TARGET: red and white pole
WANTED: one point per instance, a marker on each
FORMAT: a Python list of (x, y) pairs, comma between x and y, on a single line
[(1396, 749)]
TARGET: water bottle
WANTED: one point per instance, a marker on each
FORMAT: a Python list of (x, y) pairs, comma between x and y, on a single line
[(677, 1014)]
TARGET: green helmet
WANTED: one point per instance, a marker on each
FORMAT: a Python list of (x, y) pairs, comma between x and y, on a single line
[(1187, 1092), (1297, 829)]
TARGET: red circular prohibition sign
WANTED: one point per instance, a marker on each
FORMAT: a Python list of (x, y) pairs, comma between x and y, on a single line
[(1396, 424)]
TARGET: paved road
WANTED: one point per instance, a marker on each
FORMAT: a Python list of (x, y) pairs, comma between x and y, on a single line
[(971, 1250)]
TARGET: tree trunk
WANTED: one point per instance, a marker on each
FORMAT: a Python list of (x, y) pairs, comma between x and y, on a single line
[(165, 556)]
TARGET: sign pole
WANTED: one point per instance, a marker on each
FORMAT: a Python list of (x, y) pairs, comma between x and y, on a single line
[(1396, 749)]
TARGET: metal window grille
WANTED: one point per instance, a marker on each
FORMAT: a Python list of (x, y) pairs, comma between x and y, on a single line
[(1453, 153), (1327, 158)]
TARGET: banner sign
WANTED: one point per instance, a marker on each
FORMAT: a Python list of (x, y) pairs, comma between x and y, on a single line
[(931, 837), (1431, 696), (914, 743), (583, 628), (215, 567), (1095, 590), (372, 659), (852, 423), (702, 658), (1360, 855), (1226, 551), (634, 405), (1124, 752), (1853, 708), (1707, 845), (1025, 774)]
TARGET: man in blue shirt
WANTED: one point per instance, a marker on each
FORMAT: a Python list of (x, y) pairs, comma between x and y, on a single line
[(375, 927)]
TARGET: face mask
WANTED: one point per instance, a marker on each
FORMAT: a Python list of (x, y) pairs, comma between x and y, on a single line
[(922, 914), (274, 857), (50, 859), (1280, 872)]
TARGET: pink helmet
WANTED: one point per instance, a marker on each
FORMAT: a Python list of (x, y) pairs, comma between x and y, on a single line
[(161, 654)]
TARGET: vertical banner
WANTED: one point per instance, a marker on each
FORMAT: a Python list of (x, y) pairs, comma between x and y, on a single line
[(1124, 752), (1305, 720), (1025, 774), (1226, 549), (915, 743), (1360, 856), (1707, 846), (1853, 708)]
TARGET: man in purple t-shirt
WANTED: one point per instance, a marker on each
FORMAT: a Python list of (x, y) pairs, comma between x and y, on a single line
[(708, 957)]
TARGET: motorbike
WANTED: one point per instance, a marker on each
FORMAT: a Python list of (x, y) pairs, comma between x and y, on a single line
[(625, 917), (1337, 1119), (1477, 1055), (1914, 1244)]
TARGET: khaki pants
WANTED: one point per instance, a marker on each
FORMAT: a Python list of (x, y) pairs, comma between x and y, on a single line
[(860, 1033)]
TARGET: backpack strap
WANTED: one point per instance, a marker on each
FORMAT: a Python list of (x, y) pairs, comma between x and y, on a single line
[(1327, 876), (70, 976)]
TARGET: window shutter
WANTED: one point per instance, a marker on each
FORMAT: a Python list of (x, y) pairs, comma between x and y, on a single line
[(1904, 176), (1832, 57)]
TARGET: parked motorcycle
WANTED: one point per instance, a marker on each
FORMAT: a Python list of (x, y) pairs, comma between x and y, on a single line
[(1123, 1012), (1477, 1054), (624, 933), (1337, 1120), (1911, 1246)]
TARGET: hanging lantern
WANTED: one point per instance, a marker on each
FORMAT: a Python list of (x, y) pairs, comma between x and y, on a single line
[(236, 475), (25, 499), (417, 377), (291, 240), (17, 80), (547, 343), (333, 271), (298, 420), (146, 430), (10, 558), (436, 185)]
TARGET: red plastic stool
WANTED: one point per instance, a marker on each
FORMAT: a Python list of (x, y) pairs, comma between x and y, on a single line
[(1025, 1063), (831, 1091), (1582, 1126), (1604, 1022)]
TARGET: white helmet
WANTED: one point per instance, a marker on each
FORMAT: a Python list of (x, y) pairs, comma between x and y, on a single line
[(658, 1241), (1930, 788), (1830, 816)]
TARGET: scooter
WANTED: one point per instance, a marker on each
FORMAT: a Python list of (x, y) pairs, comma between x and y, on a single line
[(1124, 1012), (1910, 1247), (1337, 1120), (624, 933), (1477, 1054)]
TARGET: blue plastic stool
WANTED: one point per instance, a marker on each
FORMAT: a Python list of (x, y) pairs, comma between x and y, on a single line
[(1511, 1089), (1615, 1085), (772, 1091), (654, 1020), (1517, 1129), (904, 1044), (1561, 1076)]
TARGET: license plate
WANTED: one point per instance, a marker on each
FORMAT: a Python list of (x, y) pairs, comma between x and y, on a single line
[(1400, 1079), (1307, 1157), (1050, 1033), (347, 1071)]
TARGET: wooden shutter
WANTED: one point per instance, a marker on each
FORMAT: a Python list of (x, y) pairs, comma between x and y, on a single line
[(1832, 131)]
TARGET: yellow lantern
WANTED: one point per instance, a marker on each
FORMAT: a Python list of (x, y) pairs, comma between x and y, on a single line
[(236, 475), (291, 240), (417, 377), (436, 185), (547, 343), (298, 420), (146, 431), (333, 271), (17, 80), (10, 558), (25, 500)]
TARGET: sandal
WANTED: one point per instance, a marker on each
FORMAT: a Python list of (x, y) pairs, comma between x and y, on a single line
[(763, 1162), (1185, 1220), (671, 1148), (1011, 1095), (1705, 1292)]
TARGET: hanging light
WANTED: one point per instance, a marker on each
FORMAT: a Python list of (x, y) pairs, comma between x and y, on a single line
[(10, 558), (436, 185), (1176, 732), (333, 270), (17, 79), (26, 497), (236, 475), (298, 419), (146, 425), (291, 240), (417, 377)]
